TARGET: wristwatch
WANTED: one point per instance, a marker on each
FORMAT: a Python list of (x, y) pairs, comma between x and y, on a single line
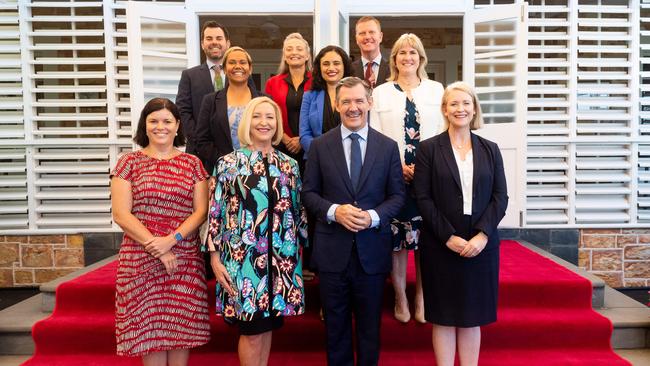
[(178, 237)]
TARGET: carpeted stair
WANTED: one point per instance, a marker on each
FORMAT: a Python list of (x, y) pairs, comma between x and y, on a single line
[(545, 318)]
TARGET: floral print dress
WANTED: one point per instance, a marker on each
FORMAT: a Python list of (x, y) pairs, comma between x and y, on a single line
[(406, 226), (258, 225)]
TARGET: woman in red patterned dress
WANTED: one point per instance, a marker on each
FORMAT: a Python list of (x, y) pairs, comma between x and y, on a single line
[(159, 198)]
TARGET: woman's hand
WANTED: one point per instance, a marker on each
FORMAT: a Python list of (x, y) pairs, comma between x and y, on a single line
[(407, 172), (169, 260), (294, 145), (159, 245), (221, 274), (475, 245), (456, 244)]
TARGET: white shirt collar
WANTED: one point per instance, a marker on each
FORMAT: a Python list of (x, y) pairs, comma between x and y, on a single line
[(363, 132), (376, 60)]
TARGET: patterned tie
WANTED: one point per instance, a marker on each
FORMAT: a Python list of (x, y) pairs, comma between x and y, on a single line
[(218, 82), (369, 75), (355, 160)]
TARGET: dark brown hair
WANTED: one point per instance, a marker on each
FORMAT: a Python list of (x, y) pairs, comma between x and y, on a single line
[(213, 24), (317, 82), (155, 105)]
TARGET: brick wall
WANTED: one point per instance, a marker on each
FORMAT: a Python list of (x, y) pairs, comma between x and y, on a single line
[(621, 257), (36, 259)]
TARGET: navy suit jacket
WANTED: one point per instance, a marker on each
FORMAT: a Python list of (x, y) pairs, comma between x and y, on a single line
[(381, 187), (212, 133), (195, 83), (311, 118), (440, 196)]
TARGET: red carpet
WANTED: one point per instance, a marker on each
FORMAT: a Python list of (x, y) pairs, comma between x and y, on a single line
[(545, 318)]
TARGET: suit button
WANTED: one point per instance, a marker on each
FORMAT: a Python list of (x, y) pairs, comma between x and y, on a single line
[(355, 203)]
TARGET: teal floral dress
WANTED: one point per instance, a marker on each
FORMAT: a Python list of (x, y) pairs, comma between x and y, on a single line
[(258, 225), (406, 226)]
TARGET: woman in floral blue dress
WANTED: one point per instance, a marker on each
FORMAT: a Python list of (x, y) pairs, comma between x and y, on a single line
[(257, 228)]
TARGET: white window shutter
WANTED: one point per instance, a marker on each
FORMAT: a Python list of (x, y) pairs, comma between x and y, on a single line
[(549, 156)]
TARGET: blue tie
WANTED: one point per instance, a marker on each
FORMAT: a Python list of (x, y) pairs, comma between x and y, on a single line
[(355, 160)]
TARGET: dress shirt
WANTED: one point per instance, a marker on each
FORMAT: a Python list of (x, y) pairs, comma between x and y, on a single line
[(347, 147), (211, 67), (375, 65), (466, 171)]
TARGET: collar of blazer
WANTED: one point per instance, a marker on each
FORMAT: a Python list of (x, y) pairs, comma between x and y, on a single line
[(448, 154)]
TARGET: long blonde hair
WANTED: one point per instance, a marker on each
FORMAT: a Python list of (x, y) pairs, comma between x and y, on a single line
[(283, 67)]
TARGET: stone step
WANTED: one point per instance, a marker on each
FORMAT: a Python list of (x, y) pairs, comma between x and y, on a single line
[(16, 326)]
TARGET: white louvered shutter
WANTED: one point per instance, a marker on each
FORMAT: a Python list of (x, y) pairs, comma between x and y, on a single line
[(604, 113), (643, 200), (13, 166), (162, 43), (495, 62), (549, 155)]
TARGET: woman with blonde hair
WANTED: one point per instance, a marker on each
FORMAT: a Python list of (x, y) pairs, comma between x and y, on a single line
[(257, 227), (407, 109), (287, 88), (461, 192)]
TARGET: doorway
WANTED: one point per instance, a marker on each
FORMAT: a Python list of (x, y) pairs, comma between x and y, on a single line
[(443, 43), (262, 37)]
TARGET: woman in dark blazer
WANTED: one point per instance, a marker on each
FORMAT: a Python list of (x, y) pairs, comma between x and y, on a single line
[(287, 89), (461, 193), (318, 112), (216, 127)]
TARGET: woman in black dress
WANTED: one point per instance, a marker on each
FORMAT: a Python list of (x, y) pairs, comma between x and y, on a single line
[(461, 193)]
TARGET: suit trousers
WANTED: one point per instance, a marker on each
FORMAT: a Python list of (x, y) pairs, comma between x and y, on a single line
[(347, 293)]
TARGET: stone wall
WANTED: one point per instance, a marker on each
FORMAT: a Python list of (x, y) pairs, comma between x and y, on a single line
[(621, 257), (36, 259)]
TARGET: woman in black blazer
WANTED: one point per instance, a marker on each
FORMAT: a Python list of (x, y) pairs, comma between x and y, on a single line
[(461, 192), (216, 126)]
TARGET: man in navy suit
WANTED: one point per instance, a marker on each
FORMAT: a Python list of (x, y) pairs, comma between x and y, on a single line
[(371, 66), (200, 80), (353, 186)]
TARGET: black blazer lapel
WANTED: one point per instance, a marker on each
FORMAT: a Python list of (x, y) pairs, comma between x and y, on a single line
[(384, 72), (335, 145), (207, 83), (221, 113), (372, 150), (448, 154)]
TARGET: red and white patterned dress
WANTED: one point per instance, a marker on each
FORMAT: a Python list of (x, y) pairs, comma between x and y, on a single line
[(156, 311)]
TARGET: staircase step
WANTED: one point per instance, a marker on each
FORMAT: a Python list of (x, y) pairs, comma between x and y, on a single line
[(16, 326), (49, 289), (631, 320)]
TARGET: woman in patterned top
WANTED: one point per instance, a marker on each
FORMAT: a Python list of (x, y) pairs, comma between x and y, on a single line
[(257, 227), (159, 198), (407, 109)]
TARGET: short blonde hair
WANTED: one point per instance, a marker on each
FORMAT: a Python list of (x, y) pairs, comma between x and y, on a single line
[(233, 49), (477, 121), (284, 68), (408, 39), (244, 129)]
